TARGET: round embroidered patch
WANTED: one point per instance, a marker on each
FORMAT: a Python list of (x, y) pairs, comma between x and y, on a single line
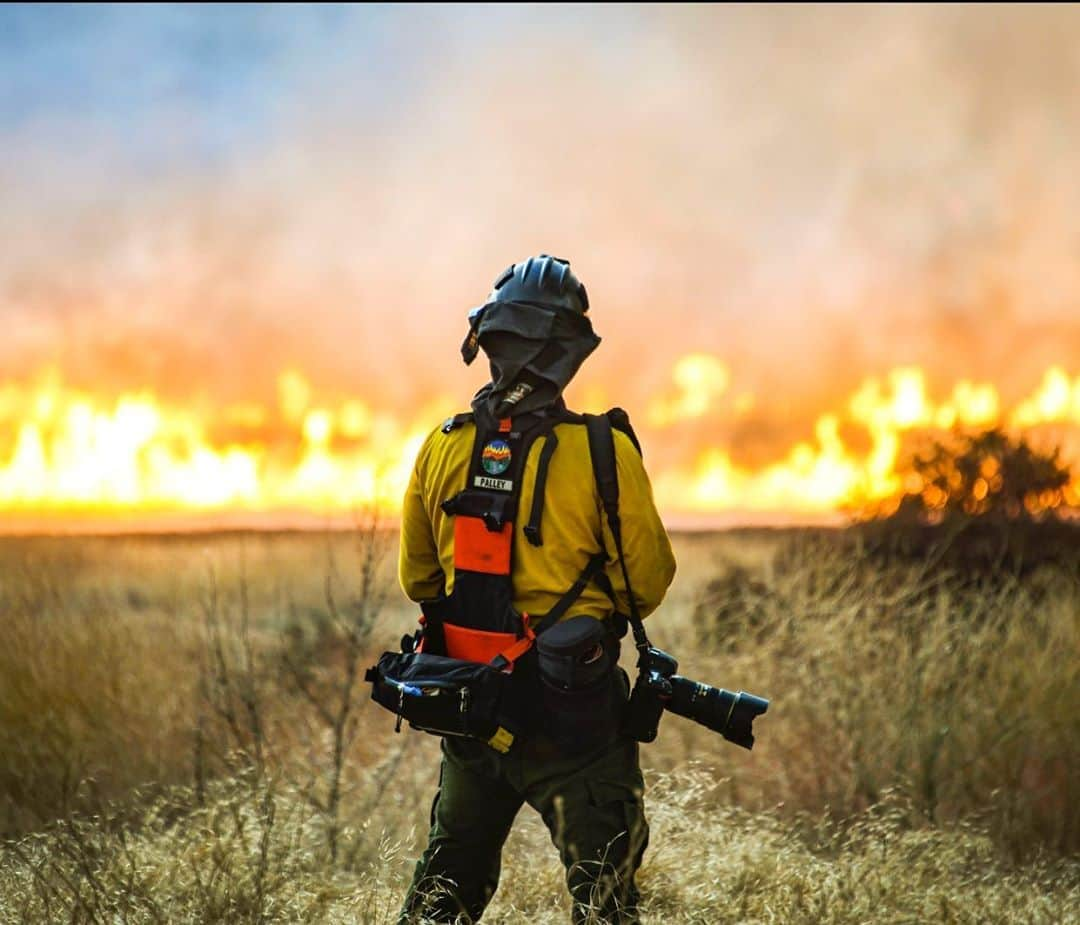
[(495, 457)]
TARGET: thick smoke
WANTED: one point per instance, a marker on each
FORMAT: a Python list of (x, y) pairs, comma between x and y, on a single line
[(811, 195)]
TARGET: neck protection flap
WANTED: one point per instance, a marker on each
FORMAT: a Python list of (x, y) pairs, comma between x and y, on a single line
[(534, 351)]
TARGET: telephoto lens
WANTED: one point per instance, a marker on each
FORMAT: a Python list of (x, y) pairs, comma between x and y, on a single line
[(732, 715)]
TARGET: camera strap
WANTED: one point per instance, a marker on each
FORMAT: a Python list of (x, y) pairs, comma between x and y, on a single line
[(602, 450)]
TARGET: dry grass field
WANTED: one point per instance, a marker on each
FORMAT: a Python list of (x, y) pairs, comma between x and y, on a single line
[(184, 737)]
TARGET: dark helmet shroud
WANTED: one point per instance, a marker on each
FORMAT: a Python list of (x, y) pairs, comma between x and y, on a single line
[(535, 332)]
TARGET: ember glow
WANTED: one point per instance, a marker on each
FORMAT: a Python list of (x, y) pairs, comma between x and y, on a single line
[(68, 453)]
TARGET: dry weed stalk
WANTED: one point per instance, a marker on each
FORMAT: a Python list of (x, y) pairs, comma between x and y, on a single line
[(333, 697)]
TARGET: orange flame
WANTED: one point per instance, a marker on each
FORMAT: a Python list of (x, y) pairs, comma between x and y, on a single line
[(827, 475), (65, 452), (700, 379), (75, 452)]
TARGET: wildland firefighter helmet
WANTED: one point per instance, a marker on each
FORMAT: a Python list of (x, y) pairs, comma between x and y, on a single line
[(535, 331), (543, 280)]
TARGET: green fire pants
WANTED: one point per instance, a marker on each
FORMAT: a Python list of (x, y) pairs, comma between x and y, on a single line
[(592, 806)]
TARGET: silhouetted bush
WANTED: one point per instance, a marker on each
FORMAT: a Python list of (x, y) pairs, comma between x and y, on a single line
[(989, 474), (981, 503)]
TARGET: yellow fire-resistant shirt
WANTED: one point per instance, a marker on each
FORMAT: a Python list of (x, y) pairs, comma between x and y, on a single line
[(573, 526)]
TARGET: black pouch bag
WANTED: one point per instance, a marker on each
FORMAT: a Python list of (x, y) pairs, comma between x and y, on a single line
[(443, 696), (582, 697)]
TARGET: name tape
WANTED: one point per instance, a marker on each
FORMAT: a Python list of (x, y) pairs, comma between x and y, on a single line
[(482, 481)]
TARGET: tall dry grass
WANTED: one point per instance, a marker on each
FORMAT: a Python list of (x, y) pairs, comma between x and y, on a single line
[(93, 683), (183, 739), (257, 852), (117, 651), (962, 695)]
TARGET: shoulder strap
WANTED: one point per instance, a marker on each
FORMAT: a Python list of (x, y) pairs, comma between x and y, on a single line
[(564, 603), (556, 416), (456, 421), (532, 528), (620, 420), (553, 616), (602, 450)]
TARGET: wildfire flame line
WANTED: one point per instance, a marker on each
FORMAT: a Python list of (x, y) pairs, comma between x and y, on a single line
[(72, 451), (65, 451), (827, 475)]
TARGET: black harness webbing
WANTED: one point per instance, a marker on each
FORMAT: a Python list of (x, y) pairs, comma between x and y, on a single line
[(563, 604), (594, 568), (551, 442), (602, 449), (532, 528)]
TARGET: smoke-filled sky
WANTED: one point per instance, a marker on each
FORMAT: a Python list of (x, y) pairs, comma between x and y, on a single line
[(196, 198)]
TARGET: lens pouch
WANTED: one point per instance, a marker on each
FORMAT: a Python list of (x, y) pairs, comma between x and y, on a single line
[(582, 699)]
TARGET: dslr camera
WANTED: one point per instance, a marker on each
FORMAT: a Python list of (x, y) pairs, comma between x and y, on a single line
[(659, 688)]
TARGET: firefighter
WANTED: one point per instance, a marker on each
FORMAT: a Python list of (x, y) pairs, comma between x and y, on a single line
[(521, 440)]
